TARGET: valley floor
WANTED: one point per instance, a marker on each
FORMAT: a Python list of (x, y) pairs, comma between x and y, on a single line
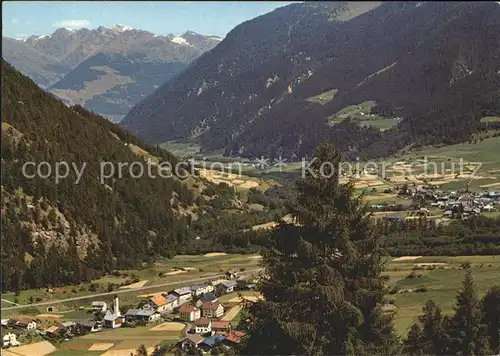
[(412, 280)]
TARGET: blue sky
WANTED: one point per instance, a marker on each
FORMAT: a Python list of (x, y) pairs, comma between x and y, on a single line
[(23, 18)]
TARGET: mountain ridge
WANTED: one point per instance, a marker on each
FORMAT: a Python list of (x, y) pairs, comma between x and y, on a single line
[(58, 61), (254, 104)]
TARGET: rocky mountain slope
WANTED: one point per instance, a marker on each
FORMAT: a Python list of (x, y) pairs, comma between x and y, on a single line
[(275, 84), (104, 70)]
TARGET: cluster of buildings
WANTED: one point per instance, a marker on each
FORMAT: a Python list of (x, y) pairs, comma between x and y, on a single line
[(160, 305), (197, 305), (454, 204), (12, 328)]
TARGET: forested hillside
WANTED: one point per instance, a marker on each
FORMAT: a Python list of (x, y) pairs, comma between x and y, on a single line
[(79, 228)]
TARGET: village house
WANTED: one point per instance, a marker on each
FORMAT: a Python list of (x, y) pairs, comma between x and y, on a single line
[(159, 303), (227, 286), (99, 307), (210, 342), (212, 309), (52, 331), (216, 282), (189, 313), (113, 318), (148, 316), (68, 327), (190, 341), (221, 327), (233, 338), (207, 297), (26, 323), (9, 339), (90, 326), (183, 294), (203, 326), (172, 302), (200, 289)]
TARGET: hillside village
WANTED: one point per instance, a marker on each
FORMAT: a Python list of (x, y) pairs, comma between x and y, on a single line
[(195, 310), (440, 205)]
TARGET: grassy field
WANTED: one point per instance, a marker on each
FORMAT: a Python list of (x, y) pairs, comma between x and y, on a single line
[(361, 114), (181, 149), (323, 98), (441, 276), (442, 281)]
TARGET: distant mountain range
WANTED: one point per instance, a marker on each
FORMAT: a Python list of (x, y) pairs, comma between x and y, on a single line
[(408, 72), (106, 70)]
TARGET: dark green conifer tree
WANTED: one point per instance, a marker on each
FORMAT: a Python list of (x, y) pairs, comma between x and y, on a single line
[(490, 306), (468, 335), (433, 336), (413, 343), (322, 275)]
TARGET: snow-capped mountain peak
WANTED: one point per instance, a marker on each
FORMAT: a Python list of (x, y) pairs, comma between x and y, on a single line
[(122, 28), (180, 40)]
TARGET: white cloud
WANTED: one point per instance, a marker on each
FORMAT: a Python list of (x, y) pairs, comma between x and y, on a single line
[(14, 21), (72, 23)]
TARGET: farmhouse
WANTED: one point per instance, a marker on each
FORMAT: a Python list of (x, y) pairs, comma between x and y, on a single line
[(68, 326), (189, 313), (200, 289), (98, 306), (183, 294), (216, 282), (210, 342), (227, 286), (207, 297), (212, 309), (26, 323), (172, 302), (222, 327), (159, 303), (203, 325), (8, 338), (233, 338), (148, 316), (52, 330), (190, 341), (90, 325)]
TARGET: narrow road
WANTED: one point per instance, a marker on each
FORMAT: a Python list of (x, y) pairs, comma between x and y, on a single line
[(8, 301), (187, 281)]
